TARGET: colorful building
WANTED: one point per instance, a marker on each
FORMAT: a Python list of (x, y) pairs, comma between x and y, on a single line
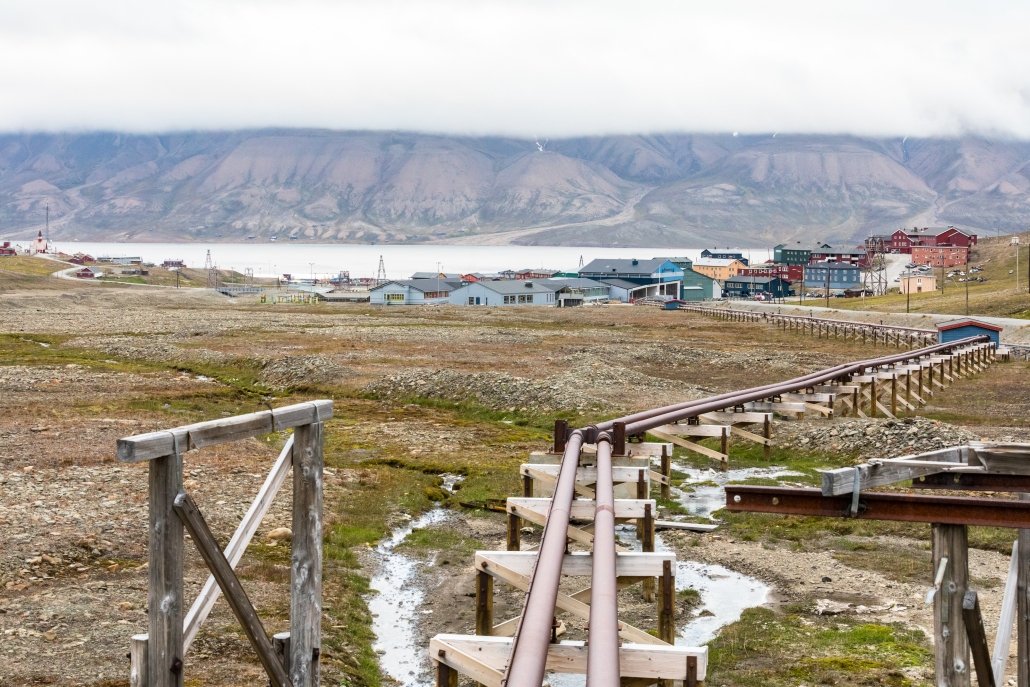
[(940, 256)]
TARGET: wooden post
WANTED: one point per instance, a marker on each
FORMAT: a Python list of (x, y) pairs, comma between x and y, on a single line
[(306, 573), (873, 393), (164, 594), (445, 675), (648, 545), (641, 494), (281, 645), (667, 605), (527, 486), (767, 433), (855, 400), (666, 471), (691, 677), (138, 662), (951, 644), (514, 532), (725, 444), (894, 394), (484, 603)]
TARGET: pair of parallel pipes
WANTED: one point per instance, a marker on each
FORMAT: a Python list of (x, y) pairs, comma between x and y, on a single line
[(529, 650)]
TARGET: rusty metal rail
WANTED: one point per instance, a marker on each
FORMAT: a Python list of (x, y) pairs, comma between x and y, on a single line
[(528, 657)]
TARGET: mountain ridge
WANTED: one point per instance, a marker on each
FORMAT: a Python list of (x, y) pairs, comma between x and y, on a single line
[(354, 186)]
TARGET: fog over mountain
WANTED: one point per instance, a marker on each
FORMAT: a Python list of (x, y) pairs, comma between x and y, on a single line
[(677, 189)]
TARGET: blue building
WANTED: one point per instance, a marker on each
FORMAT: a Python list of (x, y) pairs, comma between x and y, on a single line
[(953, 330), (835, 276), (654, 277)]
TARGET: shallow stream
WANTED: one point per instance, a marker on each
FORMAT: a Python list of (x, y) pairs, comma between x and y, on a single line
[(725, 594)]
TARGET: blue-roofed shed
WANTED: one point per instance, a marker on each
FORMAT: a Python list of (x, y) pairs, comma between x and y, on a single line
[(953, 330)]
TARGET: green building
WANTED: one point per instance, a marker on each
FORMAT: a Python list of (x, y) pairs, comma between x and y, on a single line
[(696, 286)]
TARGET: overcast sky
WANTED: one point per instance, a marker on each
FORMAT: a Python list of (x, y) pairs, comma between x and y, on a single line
[(521, 67)]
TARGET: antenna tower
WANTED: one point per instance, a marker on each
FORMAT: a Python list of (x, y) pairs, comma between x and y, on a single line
[(381, 274), (875, 271), (212, 273)]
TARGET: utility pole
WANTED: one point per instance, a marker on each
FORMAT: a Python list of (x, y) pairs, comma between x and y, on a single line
[(827, 284), (1015, 242)]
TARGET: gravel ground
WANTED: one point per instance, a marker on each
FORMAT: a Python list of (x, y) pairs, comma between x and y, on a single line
[(73, 521)]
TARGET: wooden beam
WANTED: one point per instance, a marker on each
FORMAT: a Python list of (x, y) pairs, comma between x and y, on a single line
[(635, 660), (977, 639), (582, 509), (879, 473), (577, 564), (234, 593), (156, 444)]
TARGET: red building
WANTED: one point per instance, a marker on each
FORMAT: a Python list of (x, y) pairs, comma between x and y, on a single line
[(953, 236), (7, 249), (940, 256), (904, 240)]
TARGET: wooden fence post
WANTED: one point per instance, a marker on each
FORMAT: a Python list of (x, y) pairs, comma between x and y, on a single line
[(306, 573), (164, 595), (951, 644)]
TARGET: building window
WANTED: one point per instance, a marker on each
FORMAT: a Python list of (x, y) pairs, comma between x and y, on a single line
[(509, 300), (393, 297), (472, 300)]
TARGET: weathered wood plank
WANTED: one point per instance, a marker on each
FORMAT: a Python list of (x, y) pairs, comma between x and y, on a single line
[(306, 559), (842, 480), (582, 509), (977, 639), (951, 644), (234, 593), (635, 660), (694, 430), (138, 661), (1002, 638), (156, 444), (577, 564), (164, 587), (728, 417)]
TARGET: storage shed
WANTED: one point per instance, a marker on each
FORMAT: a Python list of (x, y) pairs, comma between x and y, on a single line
[(953, 330)]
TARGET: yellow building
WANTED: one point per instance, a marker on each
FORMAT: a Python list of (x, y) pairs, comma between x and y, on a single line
[(719, 269), (918, 283)]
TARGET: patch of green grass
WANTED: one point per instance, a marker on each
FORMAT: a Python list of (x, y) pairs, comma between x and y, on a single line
[(456, 544), (766, 648)]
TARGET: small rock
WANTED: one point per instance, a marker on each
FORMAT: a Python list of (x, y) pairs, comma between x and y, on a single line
[(280, 534)]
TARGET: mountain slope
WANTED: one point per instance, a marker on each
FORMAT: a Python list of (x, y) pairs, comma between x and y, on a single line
[(674, 189)]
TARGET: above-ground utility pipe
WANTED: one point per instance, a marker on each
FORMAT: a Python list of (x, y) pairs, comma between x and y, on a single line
[(529, 647), (603, 637)]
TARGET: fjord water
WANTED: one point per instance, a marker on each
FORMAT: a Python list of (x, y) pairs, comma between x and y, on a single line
[(273, 258)]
